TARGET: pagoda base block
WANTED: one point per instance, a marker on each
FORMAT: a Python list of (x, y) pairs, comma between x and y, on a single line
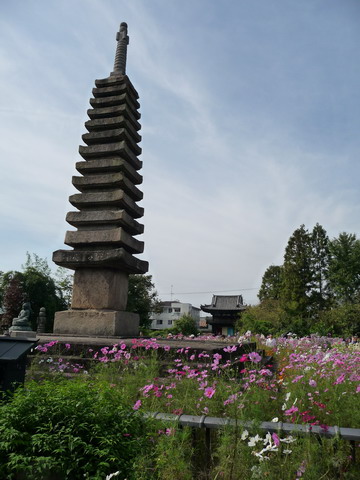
[(103, 323)]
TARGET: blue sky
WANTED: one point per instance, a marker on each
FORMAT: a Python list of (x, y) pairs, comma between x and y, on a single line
[(250, 126)]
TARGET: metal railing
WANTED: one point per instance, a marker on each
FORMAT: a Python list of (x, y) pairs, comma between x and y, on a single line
[(351, 435)]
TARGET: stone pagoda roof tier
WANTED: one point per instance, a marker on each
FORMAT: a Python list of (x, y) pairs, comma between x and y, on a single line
[(120, 121), (118, 259), (111, 164), (112, 136), (105, 180), (111, 112), (89, 218)]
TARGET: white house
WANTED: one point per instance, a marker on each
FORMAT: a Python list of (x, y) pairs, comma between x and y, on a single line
[(171, 311)]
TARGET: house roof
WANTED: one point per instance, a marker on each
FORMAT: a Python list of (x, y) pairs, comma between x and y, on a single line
[(170, 303), (225, 302)]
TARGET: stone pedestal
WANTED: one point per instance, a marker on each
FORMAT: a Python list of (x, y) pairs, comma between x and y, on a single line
[(107, 323), (23, 333)]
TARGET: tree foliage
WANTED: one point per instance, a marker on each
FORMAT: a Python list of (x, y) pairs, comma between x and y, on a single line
[(13, 299), (142, 298), (39, 288), (271, 284), (339, 321), (185, 325), (320, 259), (70, 430), (344, 268), (266, 318), (297, 274), (318, 286)]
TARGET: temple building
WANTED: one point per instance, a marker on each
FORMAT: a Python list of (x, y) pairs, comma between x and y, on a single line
[(107, 210), (225, 310)]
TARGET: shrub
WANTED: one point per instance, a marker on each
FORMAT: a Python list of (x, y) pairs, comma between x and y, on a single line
[(69, 429), (265, 318), (341, 321), (185, 325)]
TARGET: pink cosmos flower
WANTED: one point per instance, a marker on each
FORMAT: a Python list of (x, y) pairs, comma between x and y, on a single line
[(67, 345), (209, 392), (276, 439), (137, 405), (230, 349), (254, 357), (340, 379), (291, 410), (312, 383)]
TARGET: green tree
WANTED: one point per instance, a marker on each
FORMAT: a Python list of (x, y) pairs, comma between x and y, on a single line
[(39, 288), (42, 292), (64, 283), (5, 279), (185, 325), (271, 284), (13, 299), (266, 318), (341, 321), (297, 274), (320, 259), (142, 298), (39, 264), (344, 268)]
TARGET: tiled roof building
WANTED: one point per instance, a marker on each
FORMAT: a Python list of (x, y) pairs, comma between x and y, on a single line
[(225, 310)]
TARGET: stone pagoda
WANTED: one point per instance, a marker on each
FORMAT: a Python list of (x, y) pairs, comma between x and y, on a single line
[(106, 223)]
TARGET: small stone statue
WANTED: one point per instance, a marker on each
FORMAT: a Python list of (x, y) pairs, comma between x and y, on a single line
[(41, 321), (22, 322)]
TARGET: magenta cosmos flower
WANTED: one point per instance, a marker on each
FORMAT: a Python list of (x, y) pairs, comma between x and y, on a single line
[(209, 392)]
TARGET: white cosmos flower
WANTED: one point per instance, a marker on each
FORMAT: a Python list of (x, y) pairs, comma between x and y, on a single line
[(253, 440), (112, 475), (267, 438), (275, 420), (287, 452), (269, 448), (244, 435), (289, 439)]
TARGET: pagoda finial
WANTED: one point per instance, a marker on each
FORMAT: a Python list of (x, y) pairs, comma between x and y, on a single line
[(120, 57)]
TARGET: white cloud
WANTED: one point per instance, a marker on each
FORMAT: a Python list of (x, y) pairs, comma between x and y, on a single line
[(234, 160)]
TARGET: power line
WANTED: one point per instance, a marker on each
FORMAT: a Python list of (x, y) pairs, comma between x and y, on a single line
[(211, 291)]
